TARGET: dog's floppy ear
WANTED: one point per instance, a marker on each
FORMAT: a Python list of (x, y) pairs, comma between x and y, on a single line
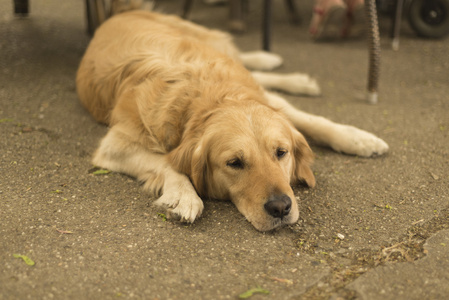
[(190, 158), (191, 155), (200, 169), (303, 160)]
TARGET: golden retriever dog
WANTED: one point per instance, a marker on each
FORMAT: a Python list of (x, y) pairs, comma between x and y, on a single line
[(190, 121)]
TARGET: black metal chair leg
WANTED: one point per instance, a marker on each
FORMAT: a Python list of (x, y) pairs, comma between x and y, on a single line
[(21, 7), (237, 11), (293, 12), (266, 25), (397, 24), (187, 6)]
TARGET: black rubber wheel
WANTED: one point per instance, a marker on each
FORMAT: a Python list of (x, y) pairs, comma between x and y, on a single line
[(429, 18)]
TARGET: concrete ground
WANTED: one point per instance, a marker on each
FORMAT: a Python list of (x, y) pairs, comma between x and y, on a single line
[(372, 228)]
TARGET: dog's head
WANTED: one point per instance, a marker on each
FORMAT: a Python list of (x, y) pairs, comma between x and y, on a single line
[(249, 154)]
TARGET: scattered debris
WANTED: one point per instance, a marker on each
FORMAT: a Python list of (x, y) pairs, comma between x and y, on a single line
[(386, 206), (396, 248), (434, 176), (419, 221), (64, 231), (27, 129), (283, 280)]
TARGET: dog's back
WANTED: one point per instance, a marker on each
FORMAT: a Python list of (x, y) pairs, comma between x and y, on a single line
[(122, 46)]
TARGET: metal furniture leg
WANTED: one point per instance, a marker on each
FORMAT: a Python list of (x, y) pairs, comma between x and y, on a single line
[(293, 12), (266, 21), (374, 51), (237, 16), (95, 13), (397, 24), (186, 8), (21, 7), (266, 25)]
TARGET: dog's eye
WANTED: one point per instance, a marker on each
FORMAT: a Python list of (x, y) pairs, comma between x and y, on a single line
[(280, 153), (235, 163)]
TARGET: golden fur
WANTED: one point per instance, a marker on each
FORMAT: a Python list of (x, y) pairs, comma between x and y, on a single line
[(187, 119)]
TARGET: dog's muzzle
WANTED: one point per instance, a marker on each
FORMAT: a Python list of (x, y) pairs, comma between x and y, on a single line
[(278, 206)]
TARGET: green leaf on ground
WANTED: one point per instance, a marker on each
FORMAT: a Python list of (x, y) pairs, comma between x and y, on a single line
[(251, 292), (25, 258), (6, 120), (101, 172), (163, 216)]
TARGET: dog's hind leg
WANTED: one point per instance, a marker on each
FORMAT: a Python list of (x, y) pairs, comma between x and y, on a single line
[(293, 83), (341, 138), (117, 153), (260, 60)]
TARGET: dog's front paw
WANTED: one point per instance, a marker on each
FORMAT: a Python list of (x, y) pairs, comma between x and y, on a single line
[(185, 205), (351, 140), (260, 60)]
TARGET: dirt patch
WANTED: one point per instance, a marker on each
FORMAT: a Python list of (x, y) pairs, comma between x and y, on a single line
[(407, 248)]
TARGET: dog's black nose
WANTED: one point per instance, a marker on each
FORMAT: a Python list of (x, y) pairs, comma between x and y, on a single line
[(278, 206)]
